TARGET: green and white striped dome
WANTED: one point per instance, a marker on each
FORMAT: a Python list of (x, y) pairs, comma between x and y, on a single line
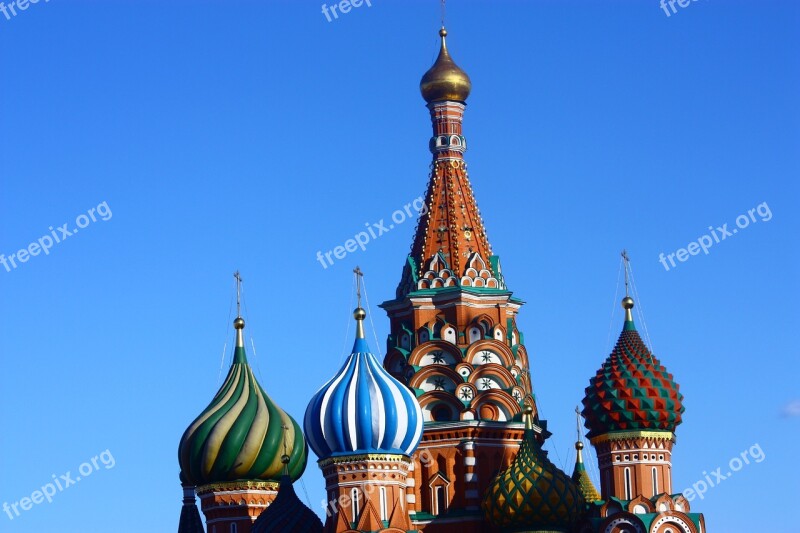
[(241, 434)]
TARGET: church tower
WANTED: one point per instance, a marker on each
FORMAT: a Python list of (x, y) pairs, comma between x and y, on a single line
[(364, 425), (632, 407), (454, 339), (235, 452)]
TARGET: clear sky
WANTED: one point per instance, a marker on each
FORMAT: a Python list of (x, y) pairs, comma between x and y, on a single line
[(217, 136)]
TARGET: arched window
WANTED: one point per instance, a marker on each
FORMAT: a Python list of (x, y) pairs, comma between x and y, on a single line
[(442, 413), (384, 512), (354, 499), (655, 481), (475, 334), (628, 490), (405, 342), (233, 528)]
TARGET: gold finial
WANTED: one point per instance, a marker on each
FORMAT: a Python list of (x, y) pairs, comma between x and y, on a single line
[(359, 314), (238, 322), (627, 302), (527, 416)]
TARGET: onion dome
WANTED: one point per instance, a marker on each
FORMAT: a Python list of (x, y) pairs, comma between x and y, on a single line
[(444, 80), (532, 494), (287, 514), (240, 434), (363, 409), (581, 477), (632, 391)]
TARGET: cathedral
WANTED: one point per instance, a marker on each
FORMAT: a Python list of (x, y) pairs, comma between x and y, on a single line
[(443, 435)]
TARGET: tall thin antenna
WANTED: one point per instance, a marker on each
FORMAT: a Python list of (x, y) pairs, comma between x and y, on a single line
[(238, 293), (358, 274), (626, 260)]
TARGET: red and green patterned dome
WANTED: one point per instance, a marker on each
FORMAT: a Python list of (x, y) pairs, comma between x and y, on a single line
[(632, 391)]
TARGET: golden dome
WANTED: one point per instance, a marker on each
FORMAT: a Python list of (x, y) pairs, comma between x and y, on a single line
[(444, 80)]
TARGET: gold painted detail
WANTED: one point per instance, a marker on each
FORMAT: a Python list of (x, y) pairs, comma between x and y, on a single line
[(623, 435), (232, 486), (378, 457)]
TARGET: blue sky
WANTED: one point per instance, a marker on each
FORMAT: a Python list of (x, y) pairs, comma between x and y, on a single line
[(250, 135)]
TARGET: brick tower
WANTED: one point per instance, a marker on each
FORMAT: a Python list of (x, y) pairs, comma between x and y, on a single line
[(231, 455), (454, 339), (364, 425), (632, 407)]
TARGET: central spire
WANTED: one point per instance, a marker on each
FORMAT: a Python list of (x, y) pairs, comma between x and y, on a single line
[(450, 247)]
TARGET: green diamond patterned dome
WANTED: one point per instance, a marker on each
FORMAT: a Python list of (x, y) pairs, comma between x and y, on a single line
[(242, 434), (532, 494), (581, 477), (632, 391)]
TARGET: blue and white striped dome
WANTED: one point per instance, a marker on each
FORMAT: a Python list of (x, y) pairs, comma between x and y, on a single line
[(363, 409)]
